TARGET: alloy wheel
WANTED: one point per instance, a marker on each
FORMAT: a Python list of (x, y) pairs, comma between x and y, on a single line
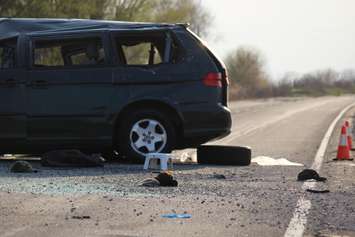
[(148, 136)]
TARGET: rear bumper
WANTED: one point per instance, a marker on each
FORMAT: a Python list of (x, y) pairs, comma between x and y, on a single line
[(203, 123)]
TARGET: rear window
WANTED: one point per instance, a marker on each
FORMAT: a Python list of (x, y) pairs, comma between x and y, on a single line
[(146, 48), (8, 53), (68, 52), (143, 53)]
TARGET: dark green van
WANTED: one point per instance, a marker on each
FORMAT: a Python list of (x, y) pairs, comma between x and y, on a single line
[(96, 86)]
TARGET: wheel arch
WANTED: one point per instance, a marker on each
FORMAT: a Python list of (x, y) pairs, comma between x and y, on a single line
[(161, 106)]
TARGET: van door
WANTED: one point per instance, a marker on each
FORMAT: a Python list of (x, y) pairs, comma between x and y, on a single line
[(69, 90), (12, 94)]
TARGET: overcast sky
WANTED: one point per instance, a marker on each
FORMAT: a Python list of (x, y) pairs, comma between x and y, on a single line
[(293, 35)]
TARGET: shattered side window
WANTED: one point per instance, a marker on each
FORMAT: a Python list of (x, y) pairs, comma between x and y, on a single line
[(141, 48), (8, 53), (81, 57), (48, 56), (68, 52), (140, 54)]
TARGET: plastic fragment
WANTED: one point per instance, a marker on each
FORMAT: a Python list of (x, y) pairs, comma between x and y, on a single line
[(177, 216)]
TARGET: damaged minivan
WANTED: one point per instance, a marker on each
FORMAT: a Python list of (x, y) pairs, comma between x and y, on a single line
[(98, 86)]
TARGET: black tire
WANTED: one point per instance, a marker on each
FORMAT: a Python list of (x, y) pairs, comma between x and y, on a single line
[(130, 119), (224, 155)]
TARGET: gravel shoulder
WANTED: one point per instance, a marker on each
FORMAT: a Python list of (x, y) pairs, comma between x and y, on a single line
[(333, 214)]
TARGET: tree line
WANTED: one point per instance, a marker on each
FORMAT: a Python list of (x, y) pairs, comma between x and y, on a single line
[(249, 79), (168, 11)]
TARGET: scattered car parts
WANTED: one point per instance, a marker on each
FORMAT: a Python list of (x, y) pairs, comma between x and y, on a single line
[(308, 174), (22, 167), (71, 158)]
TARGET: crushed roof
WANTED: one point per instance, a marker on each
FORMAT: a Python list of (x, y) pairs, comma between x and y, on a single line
[(12, 27)]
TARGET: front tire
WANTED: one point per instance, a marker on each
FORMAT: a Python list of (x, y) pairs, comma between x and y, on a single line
[(145, 131)]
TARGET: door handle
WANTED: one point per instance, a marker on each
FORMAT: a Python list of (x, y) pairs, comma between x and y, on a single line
[(40, 83), (10, 82)]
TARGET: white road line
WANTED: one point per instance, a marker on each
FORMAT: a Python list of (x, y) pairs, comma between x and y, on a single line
[(298, 222), (299, 219)]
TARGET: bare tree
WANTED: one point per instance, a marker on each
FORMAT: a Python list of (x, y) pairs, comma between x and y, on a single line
[(129, 10), (246, 68), (183, 11)]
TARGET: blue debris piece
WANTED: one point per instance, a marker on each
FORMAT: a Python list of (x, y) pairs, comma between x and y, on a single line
[(177, 216)]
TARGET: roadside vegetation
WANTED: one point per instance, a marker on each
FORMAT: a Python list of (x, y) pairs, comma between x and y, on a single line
[(246, 65), (249, 79), (169, 11)]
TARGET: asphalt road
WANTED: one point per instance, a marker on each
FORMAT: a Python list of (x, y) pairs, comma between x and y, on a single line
[(251, 201)]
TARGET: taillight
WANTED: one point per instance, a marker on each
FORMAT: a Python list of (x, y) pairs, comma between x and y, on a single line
[(213, 79)]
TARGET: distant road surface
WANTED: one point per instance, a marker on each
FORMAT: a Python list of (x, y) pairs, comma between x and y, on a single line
[(251, 201)]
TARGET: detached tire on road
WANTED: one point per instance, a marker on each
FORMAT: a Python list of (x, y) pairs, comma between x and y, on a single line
[(224, 155)]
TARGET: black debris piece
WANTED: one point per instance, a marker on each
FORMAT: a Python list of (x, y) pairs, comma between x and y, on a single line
[(309, 174), (317, 191), (22, 167), (166, 180), (81, 217), (71, 158), (219, 176), (151, 182), (162, 180)]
